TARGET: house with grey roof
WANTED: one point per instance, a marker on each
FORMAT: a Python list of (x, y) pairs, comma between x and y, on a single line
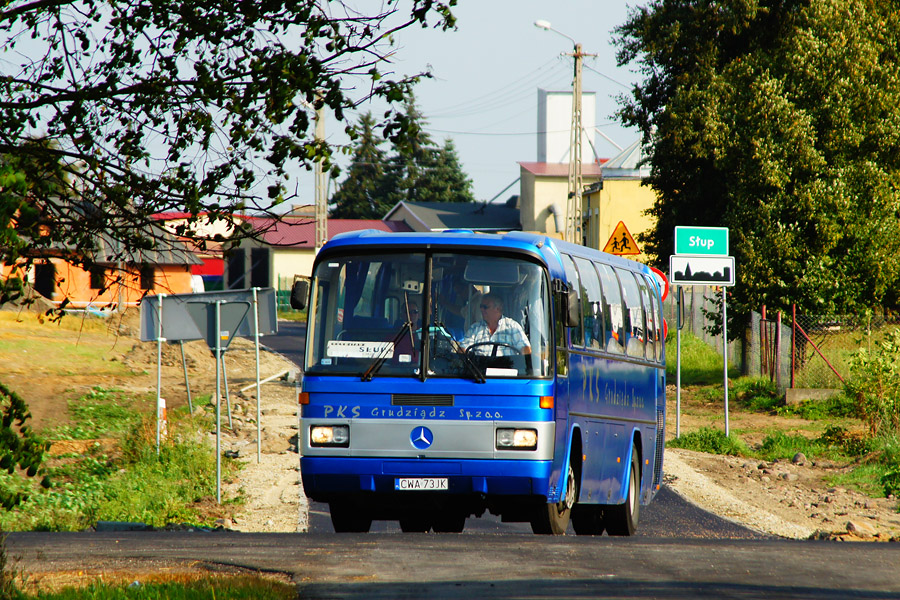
[(441, 216)]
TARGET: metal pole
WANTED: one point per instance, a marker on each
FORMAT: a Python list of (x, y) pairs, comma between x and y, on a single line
[(187, 383), (256, 336), (793, 340), (777, 359), (227, 394), (679, 299), (159, 342), (725, 354), (574, 209), (218, 412)]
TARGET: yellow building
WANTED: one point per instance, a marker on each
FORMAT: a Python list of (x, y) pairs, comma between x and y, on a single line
[(613, 194), (620, 198)]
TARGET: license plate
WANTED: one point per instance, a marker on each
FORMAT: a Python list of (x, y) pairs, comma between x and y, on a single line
[(415, 484)]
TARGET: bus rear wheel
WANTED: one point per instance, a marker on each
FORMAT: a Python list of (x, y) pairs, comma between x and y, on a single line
[(349, 518), (622, 519), (553, 519)]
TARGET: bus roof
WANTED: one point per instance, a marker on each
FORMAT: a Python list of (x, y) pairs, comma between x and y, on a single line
[(535, 244)]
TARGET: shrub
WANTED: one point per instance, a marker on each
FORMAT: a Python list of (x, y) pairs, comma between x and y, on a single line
[(875, 384)]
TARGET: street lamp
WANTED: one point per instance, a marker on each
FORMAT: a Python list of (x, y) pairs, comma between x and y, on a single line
[(573, 206)]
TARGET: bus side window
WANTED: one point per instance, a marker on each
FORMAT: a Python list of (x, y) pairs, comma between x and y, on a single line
[(592, 304), (649, 317), (657, 320), (612, 299), (572, 275), (634, 314), (562, 350)]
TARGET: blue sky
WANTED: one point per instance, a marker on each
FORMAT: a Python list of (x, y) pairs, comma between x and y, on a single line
[(486, 75)]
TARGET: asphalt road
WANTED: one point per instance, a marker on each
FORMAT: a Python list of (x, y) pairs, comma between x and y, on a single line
[(390, 566)]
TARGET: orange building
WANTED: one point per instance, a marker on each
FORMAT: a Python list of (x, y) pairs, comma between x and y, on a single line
[(116, 277)]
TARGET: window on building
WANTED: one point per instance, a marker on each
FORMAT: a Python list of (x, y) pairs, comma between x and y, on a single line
[(98, 277), (148, 277)]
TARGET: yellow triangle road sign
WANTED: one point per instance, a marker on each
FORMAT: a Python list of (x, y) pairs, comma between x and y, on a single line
[(621, 242)]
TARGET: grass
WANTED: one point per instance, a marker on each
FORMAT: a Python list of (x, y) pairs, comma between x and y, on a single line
[(169, 587), (24, 340), (130, 483), (237, 588), (711, 441), (292, 315), (700, 363), (100, 413)]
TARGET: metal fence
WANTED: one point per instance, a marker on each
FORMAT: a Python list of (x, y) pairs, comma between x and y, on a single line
[(793, 350)]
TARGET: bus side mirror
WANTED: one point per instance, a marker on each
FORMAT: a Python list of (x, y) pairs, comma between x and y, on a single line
[(572, 308), (299, 294)]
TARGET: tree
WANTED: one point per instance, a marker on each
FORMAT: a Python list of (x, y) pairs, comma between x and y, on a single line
[(444, 180), (418, 171), (119, 110), (143, 107), (22, 451), (779, 119), (362, 194)]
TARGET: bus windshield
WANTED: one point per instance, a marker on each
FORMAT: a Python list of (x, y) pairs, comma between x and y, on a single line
[(487, 317)]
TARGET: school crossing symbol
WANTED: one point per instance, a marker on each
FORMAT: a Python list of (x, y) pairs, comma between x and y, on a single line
[(621, 242)]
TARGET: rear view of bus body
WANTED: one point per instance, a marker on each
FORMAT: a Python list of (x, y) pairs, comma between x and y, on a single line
[(452, 374)]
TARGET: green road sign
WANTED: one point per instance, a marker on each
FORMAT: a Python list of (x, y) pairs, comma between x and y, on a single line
[(701, 240)]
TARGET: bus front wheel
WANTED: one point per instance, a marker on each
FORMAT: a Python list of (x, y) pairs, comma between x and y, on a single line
[(553, 519), (349, 518), (622, 519)]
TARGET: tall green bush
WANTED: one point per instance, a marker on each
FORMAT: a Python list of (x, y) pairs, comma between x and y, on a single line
[(875, 384)]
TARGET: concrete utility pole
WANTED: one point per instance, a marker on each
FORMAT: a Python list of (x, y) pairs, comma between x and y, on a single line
[(321, 186), (574, 223)]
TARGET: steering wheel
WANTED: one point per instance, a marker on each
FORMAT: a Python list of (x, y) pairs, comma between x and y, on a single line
[(495, 345)]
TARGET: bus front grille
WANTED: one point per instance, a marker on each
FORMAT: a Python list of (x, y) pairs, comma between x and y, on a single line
[(421, 399)]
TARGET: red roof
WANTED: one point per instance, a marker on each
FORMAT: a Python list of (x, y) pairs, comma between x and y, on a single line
[(301, 232), (542, 169)]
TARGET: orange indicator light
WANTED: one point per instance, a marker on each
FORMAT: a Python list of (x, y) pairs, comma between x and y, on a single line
[(303, 397), (546, 401)]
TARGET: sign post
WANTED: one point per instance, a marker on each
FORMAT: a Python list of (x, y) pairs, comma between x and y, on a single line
[(701, 258)]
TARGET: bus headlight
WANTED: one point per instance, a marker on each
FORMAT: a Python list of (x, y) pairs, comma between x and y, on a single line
[(329, 435), (516, 439)]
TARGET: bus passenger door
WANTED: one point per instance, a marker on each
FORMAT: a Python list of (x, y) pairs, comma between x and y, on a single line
[(561, 387)]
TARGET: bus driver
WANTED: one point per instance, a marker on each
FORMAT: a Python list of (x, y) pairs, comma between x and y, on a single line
[(496, 335)]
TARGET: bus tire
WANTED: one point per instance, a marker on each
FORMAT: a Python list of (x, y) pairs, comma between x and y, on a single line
[(553, 519), (349, 518), (622, 519)]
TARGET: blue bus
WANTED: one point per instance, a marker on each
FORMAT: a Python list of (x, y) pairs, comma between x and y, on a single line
[(452, 374)]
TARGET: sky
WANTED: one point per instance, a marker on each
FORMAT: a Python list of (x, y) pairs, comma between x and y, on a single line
[(486, 74)]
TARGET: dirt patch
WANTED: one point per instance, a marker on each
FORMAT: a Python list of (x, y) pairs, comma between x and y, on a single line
[(790, 499)]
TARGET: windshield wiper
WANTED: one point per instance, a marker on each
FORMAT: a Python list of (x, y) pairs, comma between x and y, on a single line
[(383, 355), (467, 360)]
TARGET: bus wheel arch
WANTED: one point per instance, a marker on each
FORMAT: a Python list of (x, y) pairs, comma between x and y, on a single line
[(622, 519), (553, 518)]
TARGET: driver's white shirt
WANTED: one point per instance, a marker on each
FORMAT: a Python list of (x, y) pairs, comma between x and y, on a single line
[(508, 332)]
